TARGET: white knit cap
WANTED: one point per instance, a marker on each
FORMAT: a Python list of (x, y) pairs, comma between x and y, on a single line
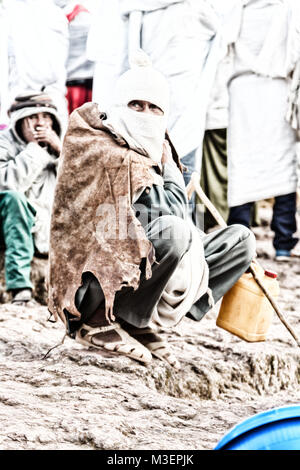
[(143, 82)]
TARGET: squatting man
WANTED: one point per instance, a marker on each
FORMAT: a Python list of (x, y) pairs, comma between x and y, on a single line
[(29, 151), (114, 292)]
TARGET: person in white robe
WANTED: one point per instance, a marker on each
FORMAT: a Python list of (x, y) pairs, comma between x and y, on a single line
[(80, 69), (4, 104), (214, 154), (34, 47), (262, 161)]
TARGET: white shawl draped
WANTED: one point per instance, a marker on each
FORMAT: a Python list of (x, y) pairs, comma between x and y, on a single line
[(187, 284), (275, 53)]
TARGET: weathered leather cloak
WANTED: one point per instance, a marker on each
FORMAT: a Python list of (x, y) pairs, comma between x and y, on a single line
[(96, 177)]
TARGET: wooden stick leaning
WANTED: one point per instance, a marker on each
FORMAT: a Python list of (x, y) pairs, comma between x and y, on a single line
[(194, 185)]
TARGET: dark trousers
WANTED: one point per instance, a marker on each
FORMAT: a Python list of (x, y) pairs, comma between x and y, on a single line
[(283, 221), (228, 252), (171, 238)]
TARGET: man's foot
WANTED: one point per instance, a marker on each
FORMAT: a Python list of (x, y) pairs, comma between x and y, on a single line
[(114, 339), (155, 343), (23, 298)]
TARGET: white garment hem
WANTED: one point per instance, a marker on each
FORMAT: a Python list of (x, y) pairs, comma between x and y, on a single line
[(263, 195)]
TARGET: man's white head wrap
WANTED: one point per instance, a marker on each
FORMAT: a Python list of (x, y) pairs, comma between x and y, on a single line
[(143, 132)]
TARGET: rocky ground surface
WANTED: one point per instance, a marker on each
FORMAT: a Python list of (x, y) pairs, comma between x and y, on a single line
[(82, 399)]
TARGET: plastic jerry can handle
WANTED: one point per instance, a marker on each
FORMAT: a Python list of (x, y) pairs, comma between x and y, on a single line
[(271, 274)]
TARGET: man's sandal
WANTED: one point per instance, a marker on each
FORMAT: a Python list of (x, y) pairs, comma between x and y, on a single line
[(156, 345), (114, 339)]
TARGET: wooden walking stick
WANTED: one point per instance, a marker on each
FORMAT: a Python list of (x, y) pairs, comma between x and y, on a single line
[(194, 185)]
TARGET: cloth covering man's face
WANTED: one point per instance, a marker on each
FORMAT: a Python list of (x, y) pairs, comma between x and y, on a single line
[(141, 123), (149, 108), (145, 107)]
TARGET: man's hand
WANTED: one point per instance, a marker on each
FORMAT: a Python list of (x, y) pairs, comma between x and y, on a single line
[(167, 153), (46, 135), (28, 130)]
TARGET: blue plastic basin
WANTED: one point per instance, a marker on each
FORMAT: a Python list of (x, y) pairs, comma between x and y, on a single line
[(276, 429)]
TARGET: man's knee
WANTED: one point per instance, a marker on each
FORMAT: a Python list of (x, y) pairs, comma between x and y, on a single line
[(176, 236), (247, 241), (16, 203), (13, 198)]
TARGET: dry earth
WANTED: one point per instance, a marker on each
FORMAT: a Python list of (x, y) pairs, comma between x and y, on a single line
[(80, 399)]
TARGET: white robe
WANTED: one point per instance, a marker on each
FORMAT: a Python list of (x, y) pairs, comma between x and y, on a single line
[(262, 158), (183, 40), (217, 110), (106, 54), (4, 100), (78, 66), (36, 50)]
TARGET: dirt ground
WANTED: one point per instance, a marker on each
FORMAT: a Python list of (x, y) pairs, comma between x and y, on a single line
[(82, 399)]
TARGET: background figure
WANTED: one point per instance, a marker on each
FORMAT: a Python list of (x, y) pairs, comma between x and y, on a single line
[(262, 160), (4, 102), (29, 151), (293, 117), (35, 50), (79, 69), (212, 112), (214, 151), (108, 56), (183, 39)]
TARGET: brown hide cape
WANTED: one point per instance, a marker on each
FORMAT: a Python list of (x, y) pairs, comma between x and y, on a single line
[(95, 173)]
